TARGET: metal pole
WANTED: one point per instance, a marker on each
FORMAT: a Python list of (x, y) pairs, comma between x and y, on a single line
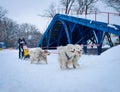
[(95, 15), (108, 18)]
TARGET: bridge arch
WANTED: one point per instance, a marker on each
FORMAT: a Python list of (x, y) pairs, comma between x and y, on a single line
[(57, 34), (65, 29)]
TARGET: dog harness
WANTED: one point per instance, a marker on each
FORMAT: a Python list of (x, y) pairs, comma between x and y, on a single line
[(68, 58)]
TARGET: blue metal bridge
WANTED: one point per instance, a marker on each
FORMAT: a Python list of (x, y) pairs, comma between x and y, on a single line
[(65, 29)]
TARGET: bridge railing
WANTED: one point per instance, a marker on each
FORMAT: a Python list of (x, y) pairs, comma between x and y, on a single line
[(107, 17)]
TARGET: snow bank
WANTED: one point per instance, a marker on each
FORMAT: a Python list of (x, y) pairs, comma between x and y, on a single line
[(112, 54), (96, 74)]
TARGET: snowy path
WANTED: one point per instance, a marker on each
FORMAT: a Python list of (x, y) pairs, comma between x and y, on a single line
[(95, 74)]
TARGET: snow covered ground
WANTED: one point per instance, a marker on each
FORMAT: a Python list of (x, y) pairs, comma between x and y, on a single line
[(96, 74)]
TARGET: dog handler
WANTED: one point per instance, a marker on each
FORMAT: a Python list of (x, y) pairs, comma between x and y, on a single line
[(21, 42)]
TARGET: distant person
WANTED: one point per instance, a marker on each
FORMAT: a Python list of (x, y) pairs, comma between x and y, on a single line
[(21, 43)]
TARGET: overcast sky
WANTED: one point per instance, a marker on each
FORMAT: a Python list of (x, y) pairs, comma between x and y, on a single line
[(27, 11)]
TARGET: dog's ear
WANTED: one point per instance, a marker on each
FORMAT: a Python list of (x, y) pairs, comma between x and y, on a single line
[(70, 47), (78, 46)]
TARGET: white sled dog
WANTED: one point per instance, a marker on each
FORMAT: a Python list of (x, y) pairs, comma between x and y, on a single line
[(65, 55), (37, 54), (78, 54), (69, 54)]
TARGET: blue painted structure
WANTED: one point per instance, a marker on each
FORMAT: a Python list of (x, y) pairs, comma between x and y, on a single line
[(65, 29), (2, 45)]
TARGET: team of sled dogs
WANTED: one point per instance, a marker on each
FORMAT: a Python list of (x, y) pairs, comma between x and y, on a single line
[(67, 55)]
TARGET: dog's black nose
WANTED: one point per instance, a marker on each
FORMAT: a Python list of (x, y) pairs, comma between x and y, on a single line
[(73, 50)]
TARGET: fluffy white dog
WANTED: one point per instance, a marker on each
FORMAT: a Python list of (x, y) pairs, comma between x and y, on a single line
[(65, 55), (78, 54), (37, 54), (69, 54)]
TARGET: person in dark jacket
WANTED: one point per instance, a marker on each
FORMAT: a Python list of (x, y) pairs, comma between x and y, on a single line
[(21, 43)]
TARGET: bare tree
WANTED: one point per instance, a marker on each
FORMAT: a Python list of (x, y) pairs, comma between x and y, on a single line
[(79, 7), (113, 3), (3, 13), (67, 4), (9, 32), (50, 12), (88, 5), (82, 6), (30, 33)]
